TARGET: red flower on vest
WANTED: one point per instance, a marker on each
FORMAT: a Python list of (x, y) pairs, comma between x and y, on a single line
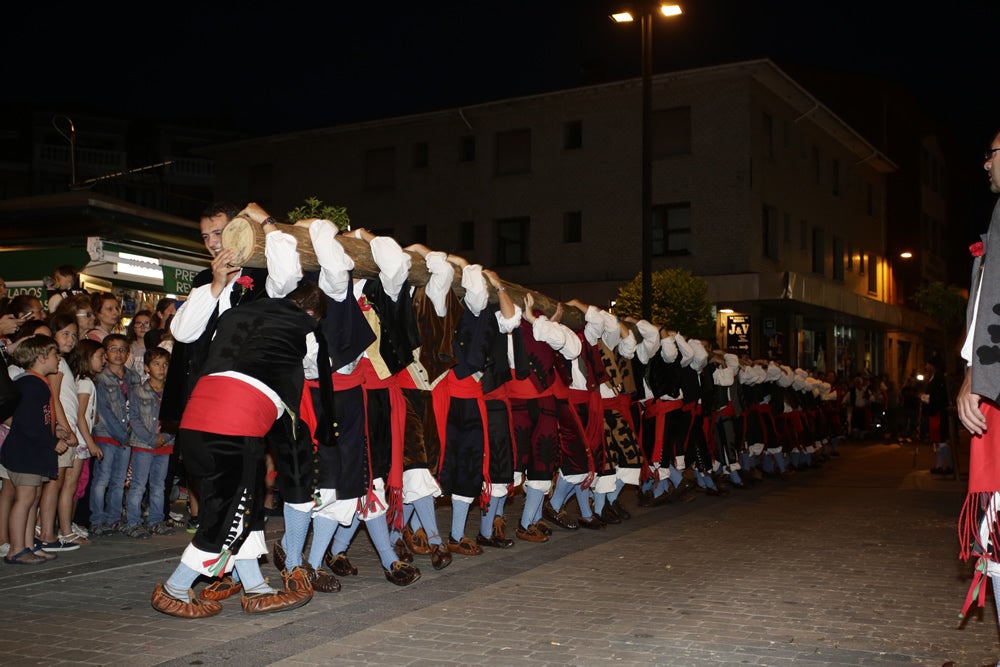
[(245, 283), (976, 249)]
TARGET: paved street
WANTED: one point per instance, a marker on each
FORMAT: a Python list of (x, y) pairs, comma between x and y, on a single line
[(853, 564)]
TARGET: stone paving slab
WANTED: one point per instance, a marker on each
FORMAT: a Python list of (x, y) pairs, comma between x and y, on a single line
[(852, 564)]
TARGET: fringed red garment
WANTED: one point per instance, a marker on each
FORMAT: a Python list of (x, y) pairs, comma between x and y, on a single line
[(978, 530)]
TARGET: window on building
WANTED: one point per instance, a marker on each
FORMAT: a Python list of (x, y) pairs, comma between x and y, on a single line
[(768, 126), (850, 257), (573, 134), (788, 228), (421, 155), (862, 260), (769, 226), (513, 151), (466, 235), (380, 169), (803, 236), (817, 161), (671, 132), (512, 241), (819, 252), (672, 229), (870, 200), (467, 149), (835, 177), (572, 227), (873, 274), (420, 234), (838, 258)]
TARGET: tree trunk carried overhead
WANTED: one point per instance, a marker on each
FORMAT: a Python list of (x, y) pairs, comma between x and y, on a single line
[(246, 239)]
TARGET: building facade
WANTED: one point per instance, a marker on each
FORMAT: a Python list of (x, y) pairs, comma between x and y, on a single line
[(757, 187)]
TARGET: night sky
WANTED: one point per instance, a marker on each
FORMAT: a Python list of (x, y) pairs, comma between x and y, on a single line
[(276, 69)]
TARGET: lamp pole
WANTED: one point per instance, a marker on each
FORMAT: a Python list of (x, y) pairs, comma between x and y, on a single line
[(646, 27), (646, 13)]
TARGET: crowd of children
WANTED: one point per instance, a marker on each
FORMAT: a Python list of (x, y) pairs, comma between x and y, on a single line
[(81, 443)]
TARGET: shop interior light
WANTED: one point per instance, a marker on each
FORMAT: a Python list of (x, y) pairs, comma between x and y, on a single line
[(136, 270), (138, 258)]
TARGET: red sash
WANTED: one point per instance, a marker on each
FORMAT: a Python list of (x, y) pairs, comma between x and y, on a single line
[(228, 406)]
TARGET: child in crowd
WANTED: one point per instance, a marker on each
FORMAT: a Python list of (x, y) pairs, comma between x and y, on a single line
[(87, 363), (151, 449), (65, 278), (57, 495), (111, 433), (31, 451)]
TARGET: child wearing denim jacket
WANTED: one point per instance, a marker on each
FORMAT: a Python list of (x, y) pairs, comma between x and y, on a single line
[(111, 433), (151, 449)]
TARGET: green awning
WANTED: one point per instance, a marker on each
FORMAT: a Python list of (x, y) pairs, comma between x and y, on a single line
[(36, 263)]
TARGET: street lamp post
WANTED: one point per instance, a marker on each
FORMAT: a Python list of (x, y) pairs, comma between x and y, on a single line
[(646, 10)]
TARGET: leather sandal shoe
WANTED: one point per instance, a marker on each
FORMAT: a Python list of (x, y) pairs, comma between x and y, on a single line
[(465, 546), (402, 552), (494, 541), (531, 534), (609, 515), (592, 522), (440, 556), (279, 556), (196, 608), (561, 519), (500, 527), (322, 581), (621, 511), (417, 541), (543, 528), (402, 574), (220, 589), (269, 603), (339, 565)]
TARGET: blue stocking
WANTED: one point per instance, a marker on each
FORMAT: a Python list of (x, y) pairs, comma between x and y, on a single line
[(323, 530), (583, 500), (180, 582), (619, 485), (486, 522), (294, 539), (533, 499), (459, 513), (563, 488), (378, 530), (342, 538), (425, 517), (250, 575)]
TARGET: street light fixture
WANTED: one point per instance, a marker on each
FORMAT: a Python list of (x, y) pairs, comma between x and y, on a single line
[(646, 10), (906, 254)]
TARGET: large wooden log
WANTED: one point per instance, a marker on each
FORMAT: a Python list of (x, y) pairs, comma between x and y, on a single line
[(246, 239)]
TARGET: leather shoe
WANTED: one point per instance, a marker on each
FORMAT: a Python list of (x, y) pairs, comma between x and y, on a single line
[(531, 534), (592, 522), (402, 574), (339, 565), (322, 581), (622, 512), (609, 515), (417, 540), (279, 556), (500, 527), (494, 541), (220, 589), (268, 603), (440, 556), (464, 546), (543, 528), (560, 518), (645, 498), (196, 608), (402, 553), (298, 591)]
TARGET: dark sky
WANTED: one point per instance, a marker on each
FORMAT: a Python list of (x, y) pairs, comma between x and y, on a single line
[(284, 67)]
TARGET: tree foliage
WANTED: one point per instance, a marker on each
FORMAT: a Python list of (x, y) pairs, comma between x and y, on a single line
[(944, 303), (314, 208), (679, 302)]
